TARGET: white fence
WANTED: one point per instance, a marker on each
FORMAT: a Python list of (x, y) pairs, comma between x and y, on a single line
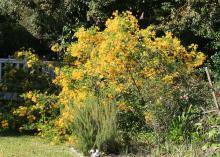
[(19, 64), (14, 62)]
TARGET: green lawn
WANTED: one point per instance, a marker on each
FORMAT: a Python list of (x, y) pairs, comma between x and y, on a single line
[(31, 146)]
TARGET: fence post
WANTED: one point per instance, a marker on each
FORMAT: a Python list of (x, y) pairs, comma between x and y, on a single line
[(17, 65), (24, 63), (213, 92)]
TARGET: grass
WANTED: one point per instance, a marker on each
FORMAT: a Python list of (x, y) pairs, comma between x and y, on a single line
[(31, 146), (34, 146)]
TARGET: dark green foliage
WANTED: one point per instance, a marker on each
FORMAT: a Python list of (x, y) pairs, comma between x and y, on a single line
[(195, 21), (216, 65), (44, 20), (13, 36)]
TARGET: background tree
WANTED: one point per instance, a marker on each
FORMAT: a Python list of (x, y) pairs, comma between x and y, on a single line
[(44, 20), (196, 21), (48, 21)]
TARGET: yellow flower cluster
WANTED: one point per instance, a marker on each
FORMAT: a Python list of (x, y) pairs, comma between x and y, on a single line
[(34, 99), (5, 124), (31, 118), (31, 58), (120, 57), (149, 118), (59, 122), (31, 96), (110, 54), (124, 21), (12, 73), (123, 107), (56, 47), (28, 95), (19, 54), (21, 111), (65, 118), (77, 75), (149, 72)]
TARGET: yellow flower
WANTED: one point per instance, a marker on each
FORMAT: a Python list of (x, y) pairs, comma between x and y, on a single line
[(56, 48), (5, 124), (59, 122), (199, 59), (123, 107), (77, 75), (193, 46), (29, 95), (19, 54), (29, 64), (168, 79), (169, 34), (148, 118), (31, 118), (50, 65), (34, 99), (12, 73), (21, 111), (149, 72)]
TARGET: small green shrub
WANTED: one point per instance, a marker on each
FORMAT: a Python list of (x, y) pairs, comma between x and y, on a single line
[(94, 125)]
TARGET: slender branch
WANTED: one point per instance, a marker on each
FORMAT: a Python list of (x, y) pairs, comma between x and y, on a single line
[(135, 84), (213, 93)]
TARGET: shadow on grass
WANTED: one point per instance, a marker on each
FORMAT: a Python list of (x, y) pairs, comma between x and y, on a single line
[(13, 133)]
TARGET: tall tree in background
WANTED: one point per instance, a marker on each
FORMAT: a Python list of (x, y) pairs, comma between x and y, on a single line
[(45, 21), (195, 20)]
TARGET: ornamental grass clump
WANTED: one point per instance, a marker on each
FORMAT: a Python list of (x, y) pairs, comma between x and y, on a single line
[(94, 125)]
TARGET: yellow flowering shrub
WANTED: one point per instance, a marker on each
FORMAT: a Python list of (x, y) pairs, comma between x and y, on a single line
[(123, 67), (125, 63), (29, 56), (123, 55), (39, 113), (29, 107), (123, 51)]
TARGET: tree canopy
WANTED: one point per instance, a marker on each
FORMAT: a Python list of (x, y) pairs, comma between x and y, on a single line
[(44, 22)]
